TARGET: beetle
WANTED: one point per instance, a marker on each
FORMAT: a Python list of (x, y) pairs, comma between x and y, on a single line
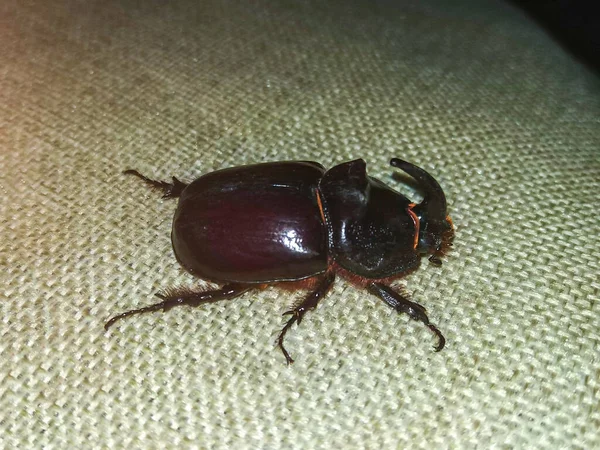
[(252, 226)]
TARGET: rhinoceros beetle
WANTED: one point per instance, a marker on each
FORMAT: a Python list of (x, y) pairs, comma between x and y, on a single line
[(252, 226)]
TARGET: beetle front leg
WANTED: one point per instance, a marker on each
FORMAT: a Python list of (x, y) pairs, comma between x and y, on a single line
[(169, 190), (310, 302), (178, 297), (404, 305)]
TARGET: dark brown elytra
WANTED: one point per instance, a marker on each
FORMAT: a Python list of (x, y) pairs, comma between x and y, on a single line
[(296, 223)]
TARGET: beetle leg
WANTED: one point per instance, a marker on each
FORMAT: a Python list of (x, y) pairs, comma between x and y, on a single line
[(174, 298), (309, 303), (435, 260), (169, 190), (403, 305)]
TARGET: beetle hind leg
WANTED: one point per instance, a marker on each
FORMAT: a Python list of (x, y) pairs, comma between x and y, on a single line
[(309, 303), (169, 190), (178, 297), (403, 305)]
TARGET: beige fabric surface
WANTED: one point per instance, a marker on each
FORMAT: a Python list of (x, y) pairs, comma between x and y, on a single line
[(474, 92)]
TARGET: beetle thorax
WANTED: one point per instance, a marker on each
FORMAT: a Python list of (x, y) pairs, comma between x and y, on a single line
[(371, 231)]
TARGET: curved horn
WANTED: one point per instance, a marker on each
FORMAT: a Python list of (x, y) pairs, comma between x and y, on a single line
[(434, 200)]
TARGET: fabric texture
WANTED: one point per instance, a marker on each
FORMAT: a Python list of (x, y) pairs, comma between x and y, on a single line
[(472, 91)]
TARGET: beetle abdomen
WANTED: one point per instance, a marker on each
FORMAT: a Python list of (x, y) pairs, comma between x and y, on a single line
[(252, 224)]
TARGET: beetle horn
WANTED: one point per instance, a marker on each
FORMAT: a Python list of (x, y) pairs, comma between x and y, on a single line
[(434, 201)]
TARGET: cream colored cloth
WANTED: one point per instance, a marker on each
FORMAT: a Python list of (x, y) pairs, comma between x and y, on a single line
[(472, 91)]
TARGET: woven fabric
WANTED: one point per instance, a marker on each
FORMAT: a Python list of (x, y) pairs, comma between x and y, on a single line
[(472, 91)]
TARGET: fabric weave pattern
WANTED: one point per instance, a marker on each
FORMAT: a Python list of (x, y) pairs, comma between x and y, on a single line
[(506, 121)]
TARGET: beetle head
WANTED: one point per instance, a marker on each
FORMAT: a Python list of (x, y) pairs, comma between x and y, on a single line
[(435, 226)]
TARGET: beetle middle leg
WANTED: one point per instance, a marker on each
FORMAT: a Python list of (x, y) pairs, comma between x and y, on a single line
[(169, 190), (309, 303), (175, 297), (402, 304)]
